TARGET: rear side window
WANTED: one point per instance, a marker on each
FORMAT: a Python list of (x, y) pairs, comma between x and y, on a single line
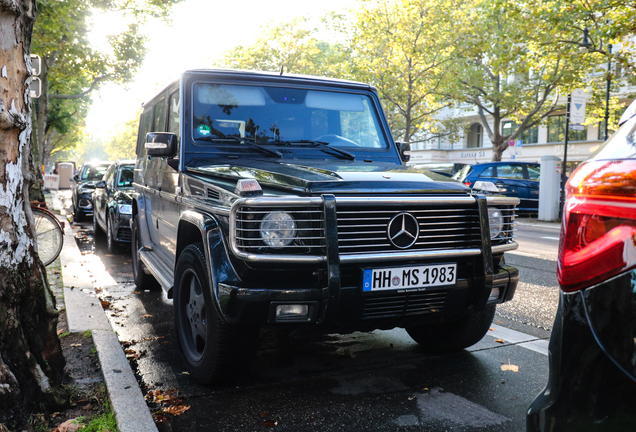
[(534, 172), (488, 172), (514, 172), (463, 173)]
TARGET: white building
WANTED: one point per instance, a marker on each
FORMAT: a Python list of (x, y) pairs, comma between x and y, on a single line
[(474, 146)]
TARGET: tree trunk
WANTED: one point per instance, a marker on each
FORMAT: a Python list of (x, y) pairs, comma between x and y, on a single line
[(31, 360), (498, 147)]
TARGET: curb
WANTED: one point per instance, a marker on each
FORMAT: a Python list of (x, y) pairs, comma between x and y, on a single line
[(84, 312)]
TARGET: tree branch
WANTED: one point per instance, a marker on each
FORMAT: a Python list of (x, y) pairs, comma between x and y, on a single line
[(82, 94)]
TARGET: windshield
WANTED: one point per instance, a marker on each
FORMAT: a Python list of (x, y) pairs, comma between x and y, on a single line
[(273, 115), (94, 172), (125, 176)]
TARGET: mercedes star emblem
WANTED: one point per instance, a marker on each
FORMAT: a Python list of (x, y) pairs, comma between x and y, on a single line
[(403, 230)]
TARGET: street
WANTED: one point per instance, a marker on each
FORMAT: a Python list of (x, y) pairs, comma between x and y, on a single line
[(379, 381)]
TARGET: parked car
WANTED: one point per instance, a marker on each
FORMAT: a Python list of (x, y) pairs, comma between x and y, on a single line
[(112, 202), (83, 185), (514, 179), (592, 381), (264, 199), (445, 168)]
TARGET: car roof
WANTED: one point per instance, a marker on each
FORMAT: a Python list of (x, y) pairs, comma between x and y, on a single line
[(265, 76)]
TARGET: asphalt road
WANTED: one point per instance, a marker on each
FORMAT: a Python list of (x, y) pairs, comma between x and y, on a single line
[(379, 381)]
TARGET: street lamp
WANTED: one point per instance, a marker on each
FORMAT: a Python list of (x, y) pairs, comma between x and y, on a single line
[(586, 45)]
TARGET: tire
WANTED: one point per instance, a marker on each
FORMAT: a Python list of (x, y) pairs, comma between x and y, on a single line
[(97, 231), (111, 243), (455, 336), (141, 279), (49, 235), (214, 352)]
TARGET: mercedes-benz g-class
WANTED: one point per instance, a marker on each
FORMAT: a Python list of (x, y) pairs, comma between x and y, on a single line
[(280, 200)]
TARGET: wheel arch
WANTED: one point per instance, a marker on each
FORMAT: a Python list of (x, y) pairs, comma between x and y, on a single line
[(197, 226)]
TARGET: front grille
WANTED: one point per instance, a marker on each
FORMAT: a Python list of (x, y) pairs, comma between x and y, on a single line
[(399, 305), (310, 230), (124, 234), (361, 230)]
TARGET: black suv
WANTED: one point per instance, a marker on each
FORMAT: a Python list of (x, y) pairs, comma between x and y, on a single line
[(265, 199)]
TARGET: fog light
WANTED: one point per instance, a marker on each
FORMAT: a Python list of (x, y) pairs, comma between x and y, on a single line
[(292, 312), (494, 295)]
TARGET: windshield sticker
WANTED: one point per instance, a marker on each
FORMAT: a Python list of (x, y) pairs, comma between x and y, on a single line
[(204, 130)]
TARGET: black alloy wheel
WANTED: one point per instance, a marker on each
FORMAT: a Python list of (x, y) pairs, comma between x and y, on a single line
[(215, 352), (141, 279)]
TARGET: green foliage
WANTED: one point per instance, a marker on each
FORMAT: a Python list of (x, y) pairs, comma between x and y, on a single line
[(296, 47), (121, 144), (86, 334)]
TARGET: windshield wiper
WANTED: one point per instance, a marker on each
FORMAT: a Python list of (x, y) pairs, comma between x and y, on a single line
[(247, 140), (323, 144)]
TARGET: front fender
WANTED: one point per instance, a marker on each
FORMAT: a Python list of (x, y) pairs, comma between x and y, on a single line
[(220, 268)]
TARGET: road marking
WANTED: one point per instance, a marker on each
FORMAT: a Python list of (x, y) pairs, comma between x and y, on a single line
[(551, 238), (521, 339)]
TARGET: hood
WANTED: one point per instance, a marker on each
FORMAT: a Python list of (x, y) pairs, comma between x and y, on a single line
[(351, 178)]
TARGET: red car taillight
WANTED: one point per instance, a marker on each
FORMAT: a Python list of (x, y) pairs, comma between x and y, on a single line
[(598, 238), (467, 183)]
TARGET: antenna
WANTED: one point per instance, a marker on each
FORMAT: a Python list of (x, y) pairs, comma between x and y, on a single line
[(282, 67)]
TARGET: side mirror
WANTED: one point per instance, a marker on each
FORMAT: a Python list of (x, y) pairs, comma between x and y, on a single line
[(405, 151), (161, 144), (75, 177), (101, 184), (485, 186)]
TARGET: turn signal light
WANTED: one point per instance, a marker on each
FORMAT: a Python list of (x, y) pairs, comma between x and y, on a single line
[(598, 237)]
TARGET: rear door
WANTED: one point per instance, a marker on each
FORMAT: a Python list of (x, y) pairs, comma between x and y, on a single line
[(509, 180)]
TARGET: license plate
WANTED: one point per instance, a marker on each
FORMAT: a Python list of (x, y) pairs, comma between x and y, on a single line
[(408, 277)]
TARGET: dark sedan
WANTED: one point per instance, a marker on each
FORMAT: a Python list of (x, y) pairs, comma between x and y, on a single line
[(113, 204), (83, 185), (592, 381), (515, 179)]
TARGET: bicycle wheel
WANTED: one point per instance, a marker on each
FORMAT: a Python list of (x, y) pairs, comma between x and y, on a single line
[(49, 236)]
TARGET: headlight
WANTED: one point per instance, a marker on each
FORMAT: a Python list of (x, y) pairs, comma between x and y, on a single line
[(124, 208), (278, 229), (495, 219)]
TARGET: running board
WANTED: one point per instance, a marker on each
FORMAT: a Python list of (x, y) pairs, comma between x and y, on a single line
[(157, 268)]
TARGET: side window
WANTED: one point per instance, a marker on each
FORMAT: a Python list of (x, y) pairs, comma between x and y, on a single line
[(109, 176), (534, 172), (146, 123), (159, 124), (488, 172), (174, 109), (514, 172)]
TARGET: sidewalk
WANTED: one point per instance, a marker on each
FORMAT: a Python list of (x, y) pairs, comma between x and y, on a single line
[(72, 277)]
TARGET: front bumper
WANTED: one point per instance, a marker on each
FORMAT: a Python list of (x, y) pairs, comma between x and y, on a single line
[(355, 310), (121, 228)]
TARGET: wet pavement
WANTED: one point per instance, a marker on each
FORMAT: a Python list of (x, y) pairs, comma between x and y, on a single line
[(379, 381)]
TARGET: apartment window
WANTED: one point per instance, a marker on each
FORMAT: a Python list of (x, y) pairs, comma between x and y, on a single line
[(556, 130), (528, 136), (475, 136)]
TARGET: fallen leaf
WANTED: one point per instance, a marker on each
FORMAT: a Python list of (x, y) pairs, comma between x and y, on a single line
[(72, 425), (76, 345), (269, 423), (160, 418), (411, 397), (60, 331), (500, 341), (499, 322), (87, 407), (146, 316), (176, 410), (98, 290), (136, 292), (492, 329), (510, 367), (105, 304)]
